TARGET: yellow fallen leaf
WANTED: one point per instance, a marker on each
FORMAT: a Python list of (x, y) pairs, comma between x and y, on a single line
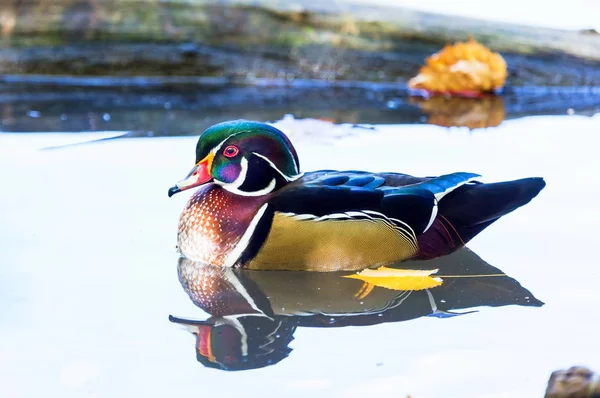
[(398, 279), (464, 68)]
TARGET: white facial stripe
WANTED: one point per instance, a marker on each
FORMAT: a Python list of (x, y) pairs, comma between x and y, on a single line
[(242, 244), (234, 187), (287, 178), (295, 165), (239, 180), (238, 191), (216, 149), (243, 172)]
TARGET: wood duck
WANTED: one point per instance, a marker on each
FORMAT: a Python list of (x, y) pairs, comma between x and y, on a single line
[(255, 209), (254, 314)]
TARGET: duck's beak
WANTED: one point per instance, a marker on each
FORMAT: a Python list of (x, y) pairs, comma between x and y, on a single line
[(199, 175)]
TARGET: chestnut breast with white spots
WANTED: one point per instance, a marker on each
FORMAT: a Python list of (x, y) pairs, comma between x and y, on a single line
[(213, 222)]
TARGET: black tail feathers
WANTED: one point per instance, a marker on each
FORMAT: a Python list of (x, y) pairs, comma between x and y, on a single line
[(473, 207)]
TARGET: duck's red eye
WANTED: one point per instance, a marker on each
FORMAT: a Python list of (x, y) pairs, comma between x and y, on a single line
[(231, 151)]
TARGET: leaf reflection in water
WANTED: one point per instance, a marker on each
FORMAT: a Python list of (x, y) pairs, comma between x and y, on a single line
[(482, 112)]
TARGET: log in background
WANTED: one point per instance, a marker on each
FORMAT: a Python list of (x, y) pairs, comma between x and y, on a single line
[(245, 40)]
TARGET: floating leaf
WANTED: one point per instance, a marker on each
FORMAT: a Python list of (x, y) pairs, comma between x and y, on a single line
[(398, 279)]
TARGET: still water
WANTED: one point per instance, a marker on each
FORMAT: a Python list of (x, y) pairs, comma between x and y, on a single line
[(95, 301)]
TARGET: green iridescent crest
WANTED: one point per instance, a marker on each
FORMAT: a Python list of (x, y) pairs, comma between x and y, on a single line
[(250, 138)]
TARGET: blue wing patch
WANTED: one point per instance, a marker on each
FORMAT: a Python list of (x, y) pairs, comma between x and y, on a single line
[(368, 182), (335, 180), (347, 179), (448, 314), (445, 184)]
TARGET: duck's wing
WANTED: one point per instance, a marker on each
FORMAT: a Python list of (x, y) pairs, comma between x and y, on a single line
[(403, 199), (379, 216), (353, 178)]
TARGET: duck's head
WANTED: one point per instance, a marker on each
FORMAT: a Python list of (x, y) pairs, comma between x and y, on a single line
[(241, 342), (247, 158)]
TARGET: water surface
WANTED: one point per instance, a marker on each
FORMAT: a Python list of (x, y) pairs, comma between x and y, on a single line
[(147, 111), (88, 270)]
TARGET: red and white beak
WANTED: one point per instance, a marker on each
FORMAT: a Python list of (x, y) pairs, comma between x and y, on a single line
[(199, 175)]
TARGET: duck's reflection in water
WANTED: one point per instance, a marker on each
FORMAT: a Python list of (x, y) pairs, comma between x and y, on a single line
[(254, 313)]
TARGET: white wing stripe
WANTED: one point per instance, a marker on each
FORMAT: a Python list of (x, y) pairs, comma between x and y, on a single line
[(434, 213), (440, 195)]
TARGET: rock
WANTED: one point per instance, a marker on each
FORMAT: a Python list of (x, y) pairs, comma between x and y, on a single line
[(575, 382), (590, 32)]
